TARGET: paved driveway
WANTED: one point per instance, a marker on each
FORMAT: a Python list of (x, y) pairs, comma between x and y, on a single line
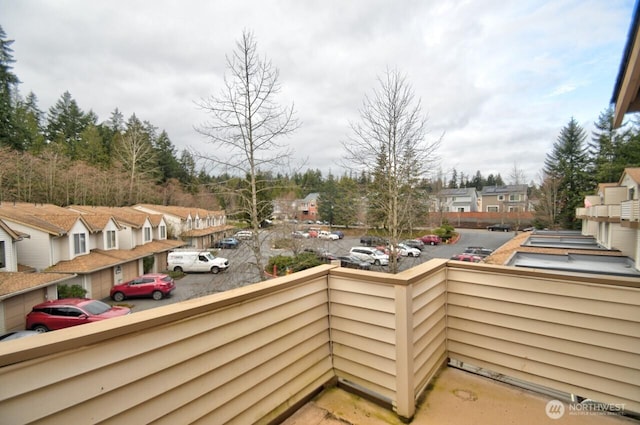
[(241, 273)]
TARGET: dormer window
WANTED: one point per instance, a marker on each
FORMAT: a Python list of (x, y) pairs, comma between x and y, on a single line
[(111, 239), (147, 234), (79, 243), (163, 232)]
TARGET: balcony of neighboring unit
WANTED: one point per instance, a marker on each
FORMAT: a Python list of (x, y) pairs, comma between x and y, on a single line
[(256, 354), (630, 213), (604, 213)]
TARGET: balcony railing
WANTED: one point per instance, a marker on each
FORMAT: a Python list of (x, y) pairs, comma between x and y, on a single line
[(252, 354), (630, 210)]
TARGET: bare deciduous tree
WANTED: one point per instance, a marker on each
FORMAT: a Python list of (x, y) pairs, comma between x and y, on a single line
[(246, 125), (390, 142), (135, 153)]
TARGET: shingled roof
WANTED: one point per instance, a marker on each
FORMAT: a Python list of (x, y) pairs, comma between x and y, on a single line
[(14, 283)]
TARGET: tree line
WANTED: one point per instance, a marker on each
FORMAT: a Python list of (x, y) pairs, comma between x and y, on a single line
[(66, 155)]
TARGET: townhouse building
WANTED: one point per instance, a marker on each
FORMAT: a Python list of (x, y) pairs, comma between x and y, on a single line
[(611, 215)]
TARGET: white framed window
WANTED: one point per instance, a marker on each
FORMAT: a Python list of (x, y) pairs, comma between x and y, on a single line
[(514, 197), (500, 197), (3, 260), (111, 239), (514, 209), (163, 232), (492, 208), (79, 243), (147, 234)]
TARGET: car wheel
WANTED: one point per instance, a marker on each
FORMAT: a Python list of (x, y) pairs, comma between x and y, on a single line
[(410, 254), (40, 328), (177, 269), (432, 243), (157, 295), (118, 296), (506, 230), (215, 270), (376, 263)]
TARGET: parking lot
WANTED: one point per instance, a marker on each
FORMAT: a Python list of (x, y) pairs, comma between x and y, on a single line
[(242, 273)]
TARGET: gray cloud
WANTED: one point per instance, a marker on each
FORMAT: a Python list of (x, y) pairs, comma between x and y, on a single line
[(500, 79)]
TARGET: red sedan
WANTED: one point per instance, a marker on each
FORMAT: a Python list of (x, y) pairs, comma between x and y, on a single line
[(67, 312), (154, 285)]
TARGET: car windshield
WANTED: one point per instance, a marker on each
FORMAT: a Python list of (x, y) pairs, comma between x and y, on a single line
[(378, 252), (209, 256), (97, 307)]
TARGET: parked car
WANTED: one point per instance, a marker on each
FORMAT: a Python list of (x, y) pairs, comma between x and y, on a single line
[(478, 250), (299, 234), (353, 262), (322, 254), (407, 251), (413, 243), (324, 234), (467, 257), (154, 285), (243, 234), (17, 335), (370, 240), (227, 243), (499, 228), (340, 233), (67, 312), (431, 239), (370, 255)]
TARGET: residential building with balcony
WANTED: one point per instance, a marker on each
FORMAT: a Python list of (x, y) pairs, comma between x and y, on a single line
[(457, 200), (509, 198)]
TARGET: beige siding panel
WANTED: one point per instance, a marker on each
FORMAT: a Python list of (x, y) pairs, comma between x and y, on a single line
[(594, 307), (600, 341), (427, 371), (384, 392), (104, 370), (550, 351), (432, 350), (426, 315), (345, 368), (362, 300), (433, 336), (343, 284), (613, 293), (375, 333), (365, 358), (457, 305), (359, 342), (243, 393), (426, 298), (375, 317)]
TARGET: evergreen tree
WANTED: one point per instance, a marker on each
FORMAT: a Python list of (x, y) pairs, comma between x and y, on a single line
[(604, 149), (8, 88), (453, 183), (567, 164), (65, 124)]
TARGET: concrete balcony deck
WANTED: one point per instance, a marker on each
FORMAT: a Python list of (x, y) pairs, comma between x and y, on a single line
[(456, 397)]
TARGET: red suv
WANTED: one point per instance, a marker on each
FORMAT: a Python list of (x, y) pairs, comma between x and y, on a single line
[(154, 285), (431, 239), (67, 312)]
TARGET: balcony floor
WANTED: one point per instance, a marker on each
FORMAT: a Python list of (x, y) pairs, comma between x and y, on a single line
[(457, 397)]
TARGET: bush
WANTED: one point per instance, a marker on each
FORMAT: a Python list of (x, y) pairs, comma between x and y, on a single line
[(302, 261), (73, 291)]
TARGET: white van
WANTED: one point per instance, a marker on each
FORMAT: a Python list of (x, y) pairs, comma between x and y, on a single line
[(196, 261), (370, 255)]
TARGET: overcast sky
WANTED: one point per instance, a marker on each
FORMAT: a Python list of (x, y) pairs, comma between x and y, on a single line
[(499, 78)]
